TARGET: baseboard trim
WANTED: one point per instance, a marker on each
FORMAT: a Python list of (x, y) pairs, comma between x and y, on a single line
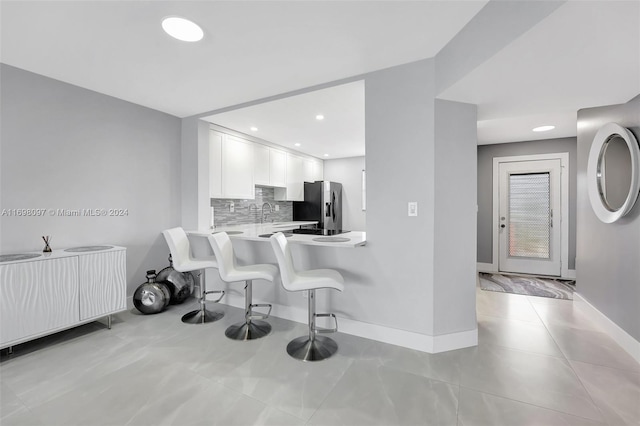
[(380, 333), (452, 341), (486, 267), (621, 337)]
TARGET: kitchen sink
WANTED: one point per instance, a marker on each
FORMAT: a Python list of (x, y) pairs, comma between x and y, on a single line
[(331, 239), (19, 256), (87, 248), (270, 234)]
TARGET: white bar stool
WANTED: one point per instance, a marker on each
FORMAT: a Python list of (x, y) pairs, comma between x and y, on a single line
[(229, 272), (180, 249), (311, 347)]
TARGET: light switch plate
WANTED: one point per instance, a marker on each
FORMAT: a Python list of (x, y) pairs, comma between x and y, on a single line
[(232, 207), (413, 208), (277, 207)]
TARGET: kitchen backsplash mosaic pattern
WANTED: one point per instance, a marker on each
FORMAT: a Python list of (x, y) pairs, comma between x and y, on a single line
[(250, 211)]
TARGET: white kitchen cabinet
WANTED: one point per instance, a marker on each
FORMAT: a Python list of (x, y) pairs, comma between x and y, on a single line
[(313, 170), (231, 173), (237, 168), (60, 290), (295, 179), (261, 164), (318, 170), (277, 167), (215, 164), (269, 166), (237, 165)]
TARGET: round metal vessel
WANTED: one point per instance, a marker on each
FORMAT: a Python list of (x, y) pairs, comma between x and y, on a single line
[(151, 297), (181, 284)]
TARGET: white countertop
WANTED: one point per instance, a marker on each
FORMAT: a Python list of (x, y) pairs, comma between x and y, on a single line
[(60, 253), (253, 231)]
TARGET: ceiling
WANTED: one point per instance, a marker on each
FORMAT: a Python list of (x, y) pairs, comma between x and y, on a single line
[(251, 49), (292, 121), (585, 54)]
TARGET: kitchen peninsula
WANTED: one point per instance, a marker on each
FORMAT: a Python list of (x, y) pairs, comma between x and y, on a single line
[(262, 231)]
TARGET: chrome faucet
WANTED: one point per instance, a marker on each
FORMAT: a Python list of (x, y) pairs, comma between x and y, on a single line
[(265, 215)]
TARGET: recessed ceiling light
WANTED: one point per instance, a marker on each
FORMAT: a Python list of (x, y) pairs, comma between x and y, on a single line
[(253, 128), (296, 144), (326, 155), (182, 29), (544, 128), (319, 117)]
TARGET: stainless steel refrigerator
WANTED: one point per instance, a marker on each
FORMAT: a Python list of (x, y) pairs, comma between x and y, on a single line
[(322, 203)]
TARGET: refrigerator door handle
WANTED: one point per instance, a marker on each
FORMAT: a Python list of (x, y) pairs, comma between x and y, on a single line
[(327, 210), (333, 206)]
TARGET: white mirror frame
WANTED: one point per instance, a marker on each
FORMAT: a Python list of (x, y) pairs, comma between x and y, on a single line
[(604, 134)]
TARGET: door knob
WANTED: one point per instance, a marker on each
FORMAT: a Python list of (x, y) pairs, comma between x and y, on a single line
[(503, 225)]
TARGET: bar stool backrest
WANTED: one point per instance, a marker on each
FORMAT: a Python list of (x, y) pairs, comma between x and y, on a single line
[(180, 248), (285, 261), (223, 249)]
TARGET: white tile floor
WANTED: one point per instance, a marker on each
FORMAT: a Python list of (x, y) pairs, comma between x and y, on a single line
[(539, 362)]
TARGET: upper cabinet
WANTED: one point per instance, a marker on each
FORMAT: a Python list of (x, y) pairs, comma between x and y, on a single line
[(295, 178), (278, 167), (313, 170), (261, 164), (231, 167), (215, 164), (270, 167), (237, 165)]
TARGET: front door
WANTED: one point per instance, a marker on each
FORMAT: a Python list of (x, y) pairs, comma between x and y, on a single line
[(529, 217)]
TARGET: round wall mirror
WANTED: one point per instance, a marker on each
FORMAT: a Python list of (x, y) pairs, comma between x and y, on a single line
[(613, 172)]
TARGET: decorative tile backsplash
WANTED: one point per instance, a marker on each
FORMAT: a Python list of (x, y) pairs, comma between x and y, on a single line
[(250, 211)]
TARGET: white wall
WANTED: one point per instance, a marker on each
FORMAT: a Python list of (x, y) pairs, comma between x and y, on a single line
[(70, 148), (348, 171), (455, 216), (608, 254)]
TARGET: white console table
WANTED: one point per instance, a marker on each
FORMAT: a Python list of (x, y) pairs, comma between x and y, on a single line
[(59, 290)]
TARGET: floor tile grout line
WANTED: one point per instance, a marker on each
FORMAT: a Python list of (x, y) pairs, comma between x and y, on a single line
[(28, 409), (593, 402), (625, 370), (531, 404), (20, 400), (529, 322), (422, 376), (351, 361), (566, 356), (561, 357), (458, 404), (267, 405)]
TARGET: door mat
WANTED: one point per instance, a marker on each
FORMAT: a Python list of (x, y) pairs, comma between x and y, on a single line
[(531, 286)]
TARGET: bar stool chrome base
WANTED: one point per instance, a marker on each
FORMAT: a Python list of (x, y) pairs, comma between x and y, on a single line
[(305, 349), (202, 316), (248, 331), (251, 328)]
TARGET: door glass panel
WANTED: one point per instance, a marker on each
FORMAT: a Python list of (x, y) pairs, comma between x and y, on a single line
[(529, 215)]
